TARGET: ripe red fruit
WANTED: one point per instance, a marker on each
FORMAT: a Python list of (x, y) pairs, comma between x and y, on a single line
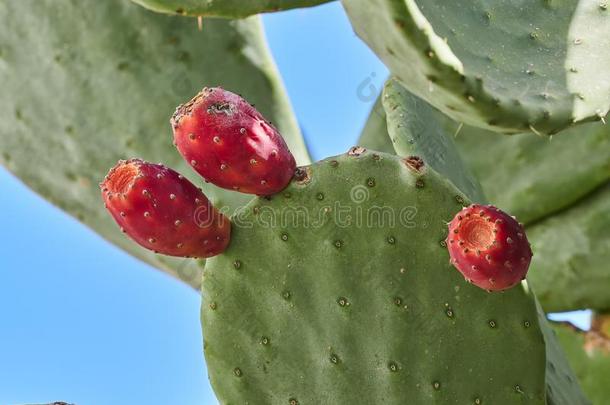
[(230, 144), (163, 211), (488, 247)]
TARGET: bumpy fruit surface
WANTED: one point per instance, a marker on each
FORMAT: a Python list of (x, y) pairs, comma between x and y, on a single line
[(488, 247), (163, 211), (230, 144)]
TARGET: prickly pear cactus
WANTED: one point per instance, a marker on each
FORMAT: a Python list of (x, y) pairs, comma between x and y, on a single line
[(321, 298), (79, 98), (564, 205), (400, 114), (414, 129), (509, 66), (224, 8)]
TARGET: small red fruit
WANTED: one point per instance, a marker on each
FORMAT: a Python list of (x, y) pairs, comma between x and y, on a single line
[(163, 211), (230, 144), (488, 247)]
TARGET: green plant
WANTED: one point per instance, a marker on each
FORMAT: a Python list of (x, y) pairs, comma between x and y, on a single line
[(346, 313), (506, 66), (224, 8), (338, 288), (89, 78)]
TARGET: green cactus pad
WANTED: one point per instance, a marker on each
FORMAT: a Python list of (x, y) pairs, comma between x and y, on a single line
[(509, 66), (224, 8), (589, 355), (555, 186), (415, 128), (317, 301), (85, 83), (375, 132), (402, 112), (533, 177), (572, 251)]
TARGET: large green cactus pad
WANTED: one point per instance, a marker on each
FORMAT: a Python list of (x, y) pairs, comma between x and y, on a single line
[(312, 303), (87, 82), (225, 8), (507, 65), (589, 355)]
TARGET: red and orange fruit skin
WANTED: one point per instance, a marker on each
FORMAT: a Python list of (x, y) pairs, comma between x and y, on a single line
[(230, 144), (489, 247), (163, 211)]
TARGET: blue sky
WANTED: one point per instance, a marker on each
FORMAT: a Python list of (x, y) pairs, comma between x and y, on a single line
[(86, 323)]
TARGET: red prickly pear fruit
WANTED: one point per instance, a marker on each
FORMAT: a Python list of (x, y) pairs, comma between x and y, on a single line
[(488, 247), (230, 144), (162, 211)]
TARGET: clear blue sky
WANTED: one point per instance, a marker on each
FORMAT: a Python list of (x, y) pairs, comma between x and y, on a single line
[(83, 322)]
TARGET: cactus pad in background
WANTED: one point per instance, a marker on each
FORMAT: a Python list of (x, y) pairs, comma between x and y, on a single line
[(100, 86), (536, 179), (224, 8), (375, 132), (510, 66), (570, 269), (415, 128), (589, 355), (533, 177), (317, 300)]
